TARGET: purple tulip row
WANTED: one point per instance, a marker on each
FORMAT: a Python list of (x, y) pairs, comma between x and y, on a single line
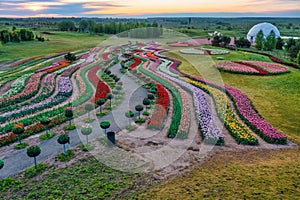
[(65, 85), (256, 122), (211, 132)]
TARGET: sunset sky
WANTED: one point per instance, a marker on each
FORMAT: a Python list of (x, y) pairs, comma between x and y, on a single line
[(146, 8)]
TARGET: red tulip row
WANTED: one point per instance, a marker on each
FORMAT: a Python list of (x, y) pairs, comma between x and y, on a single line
[(160, 110), (137, 61)]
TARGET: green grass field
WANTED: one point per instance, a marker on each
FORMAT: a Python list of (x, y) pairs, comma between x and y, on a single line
[(58, 42)]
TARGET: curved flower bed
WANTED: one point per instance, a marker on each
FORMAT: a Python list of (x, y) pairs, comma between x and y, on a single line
[(236, 128), (177, 106), (253, 119), (65, 91), (270, 68), (236, 68), (192, 51), (17, 86), (159, 114), (136, 62), (210, 131)]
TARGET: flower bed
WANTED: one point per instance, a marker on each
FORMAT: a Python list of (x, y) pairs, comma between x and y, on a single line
[(270, 68), (160, 109), (236, 68), (210, 131), (236, 128), (136, 62)]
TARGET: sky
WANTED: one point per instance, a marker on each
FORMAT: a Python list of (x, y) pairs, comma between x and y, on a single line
[(149, 8)]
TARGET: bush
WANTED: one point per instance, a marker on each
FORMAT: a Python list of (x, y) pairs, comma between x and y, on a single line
[(89, 120), (21, 146), (47, 136), (70, 127), (140, 120), (101, 114), (65, 158), (32, 171), (146, 113), (131, 128)]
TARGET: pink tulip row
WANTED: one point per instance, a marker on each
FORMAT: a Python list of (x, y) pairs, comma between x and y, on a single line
[(236, 67), (268, 67)]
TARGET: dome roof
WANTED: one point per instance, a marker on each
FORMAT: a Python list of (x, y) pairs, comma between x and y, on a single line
[(265, 27)]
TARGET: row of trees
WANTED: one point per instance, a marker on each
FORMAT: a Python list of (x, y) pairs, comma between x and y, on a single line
[(113, 28), (15, 35)]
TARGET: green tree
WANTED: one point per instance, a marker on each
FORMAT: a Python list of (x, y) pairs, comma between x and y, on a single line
[(100, 103), (259, 40), (279, 43), (298, 57), (129, 114), (89, 107), (105, 125), (64, 139), (1, 164), (270, 42), (139, 109), (83, 26), (70, 57)]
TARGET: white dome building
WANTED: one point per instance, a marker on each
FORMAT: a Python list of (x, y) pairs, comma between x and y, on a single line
[(265, 27)]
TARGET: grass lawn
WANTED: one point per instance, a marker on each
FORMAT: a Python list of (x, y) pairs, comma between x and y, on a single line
[(59, 42), (87, 179), (243, 175)]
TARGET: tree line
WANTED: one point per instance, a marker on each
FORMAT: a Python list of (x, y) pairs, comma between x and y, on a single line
[(15, 35), (143, 30)]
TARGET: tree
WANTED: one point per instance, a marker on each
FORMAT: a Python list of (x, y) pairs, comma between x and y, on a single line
[(66, 26), (83, 25), (139, 109), (293, 50), (242, 43), (298, 57), (89, 107), (105, 125), (69, 114), (64, 139), (146, 102), (18, 129), (45, 121), (1, 164), (270, 42), (129, 114), (279, 43), (70, 57), (220, 40), (291, 42), (100, 103), (86, 130), (110, 97), (259, 40), (33, 152)]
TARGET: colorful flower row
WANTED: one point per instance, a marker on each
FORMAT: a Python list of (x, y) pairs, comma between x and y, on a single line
[(31, 130), (236, 67), (106, 56), (65, 90), (253, 119), (160, 109), (271, 68), (67, 71), (17, 86), (237, 129), (177, 106), (136, 62), (210, 131)]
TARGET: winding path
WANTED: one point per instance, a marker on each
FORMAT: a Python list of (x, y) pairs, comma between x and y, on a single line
[(16, 161)]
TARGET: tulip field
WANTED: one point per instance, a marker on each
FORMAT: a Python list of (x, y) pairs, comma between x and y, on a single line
[(46, 86)]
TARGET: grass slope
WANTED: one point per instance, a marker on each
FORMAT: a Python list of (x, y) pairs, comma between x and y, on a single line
[(243, 175), (59, 42)]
